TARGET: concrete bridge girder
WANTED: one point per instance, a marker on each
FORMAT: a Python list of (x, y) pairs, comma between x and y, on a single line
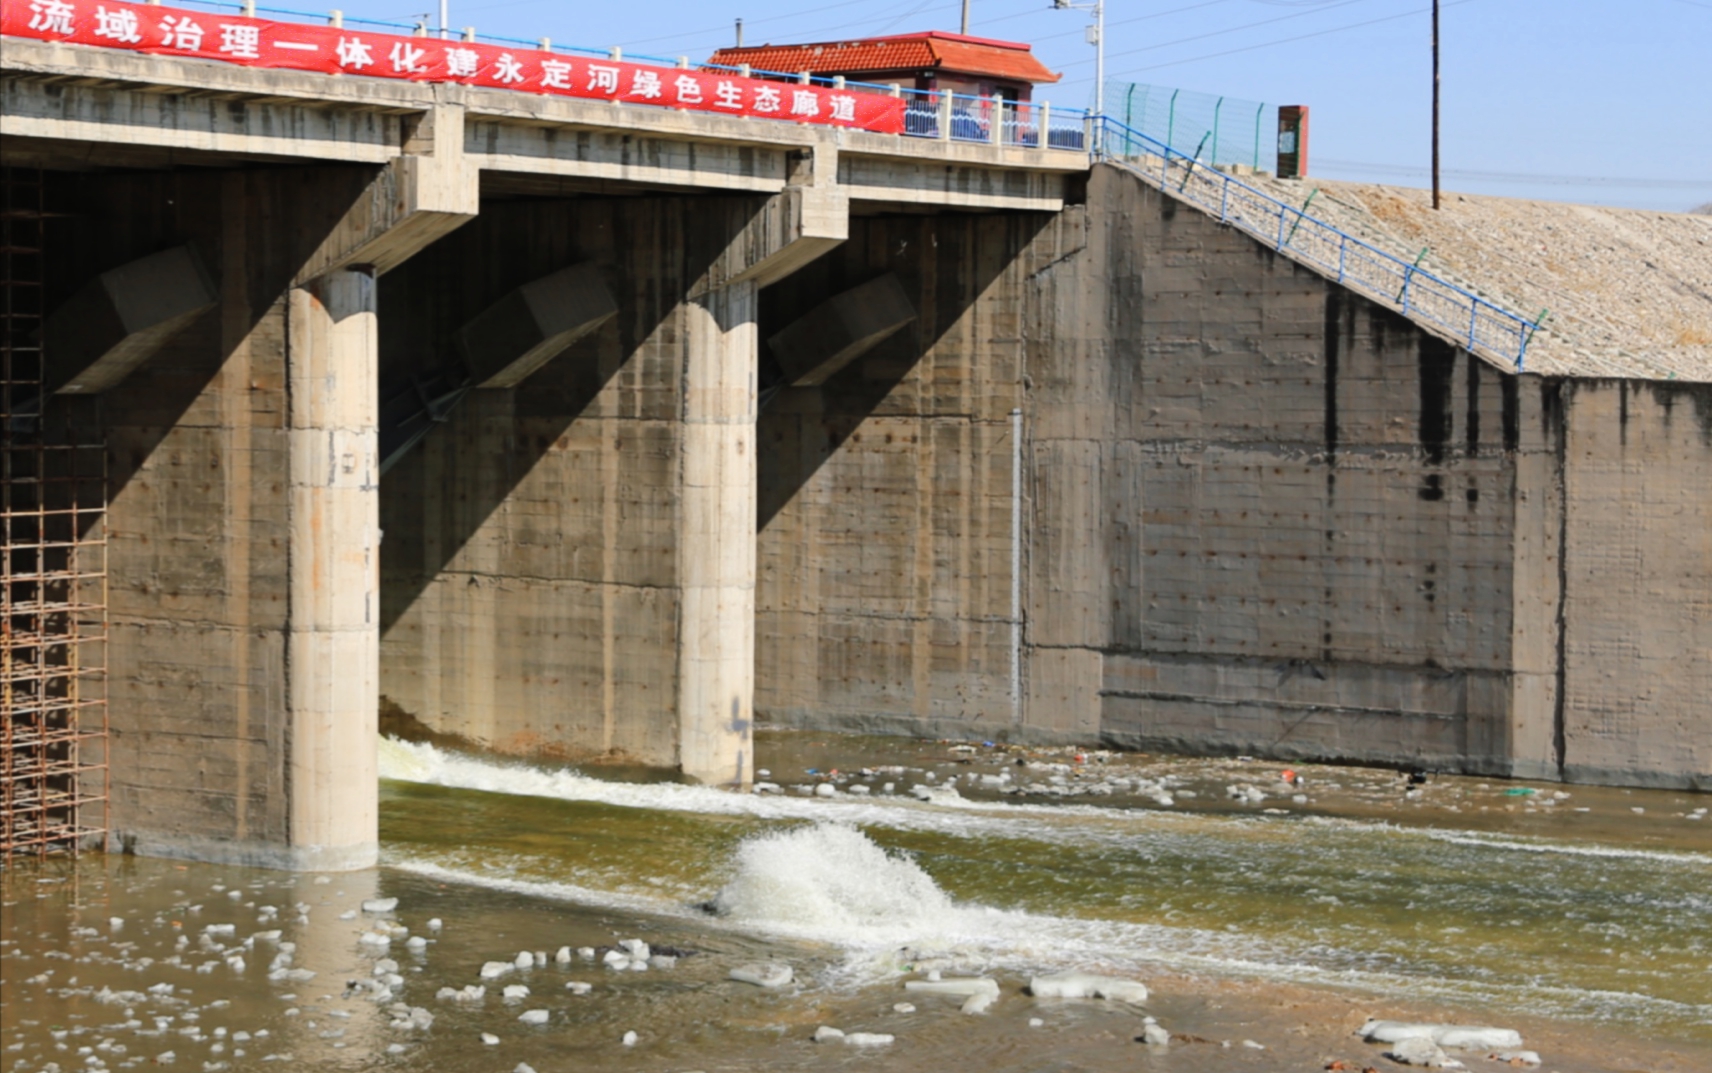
[(108, 108)]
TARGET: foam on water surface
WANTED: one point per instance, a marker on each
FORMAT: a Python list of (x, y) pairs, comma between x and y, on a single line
[(979, 886)]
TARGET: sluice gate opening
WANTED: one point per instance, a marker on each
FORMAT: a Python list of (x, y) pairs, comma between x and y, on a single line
[(53, 566)]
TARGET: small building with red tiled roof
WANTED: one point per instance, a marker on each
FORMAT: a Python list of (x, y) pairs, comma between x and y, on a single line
[(931, 61)]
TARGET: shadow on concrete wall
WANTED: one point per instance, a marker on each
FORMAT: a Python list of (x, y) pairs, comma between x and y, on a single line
[(253, 228), (648, 250), (945, 263)]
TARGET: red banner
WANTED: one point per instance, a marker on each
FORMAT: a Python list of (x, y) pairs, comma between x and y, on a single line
[(337, 51)]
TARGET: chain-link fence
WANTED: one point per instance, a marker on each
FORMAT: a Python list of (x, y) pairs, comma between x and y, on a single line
[(1201, 126)]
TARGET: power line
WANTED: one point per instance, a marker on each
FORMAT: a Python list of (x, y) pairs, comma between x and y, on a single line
[(1286, 40), (1230, 29), (1126, 22)]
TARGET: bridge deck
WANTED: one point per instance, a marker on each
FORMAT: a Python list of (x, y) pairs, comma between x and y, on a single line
[(80, 107)]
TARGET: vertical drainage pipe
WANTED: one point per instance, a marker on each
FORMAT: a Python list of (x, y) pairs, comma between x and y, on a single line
[(1016, 566)]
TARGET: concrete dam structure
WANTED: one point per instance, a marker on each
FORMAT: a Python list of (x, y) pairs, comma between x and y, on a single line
[(573, 429)]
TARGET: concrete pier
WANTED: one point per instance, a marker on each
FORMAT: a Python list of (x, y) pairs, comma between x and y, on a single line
[(332, 642)]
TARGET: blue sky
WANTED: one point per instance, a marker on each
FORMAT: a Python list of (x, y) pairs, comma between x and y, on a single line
[(1558, 100)]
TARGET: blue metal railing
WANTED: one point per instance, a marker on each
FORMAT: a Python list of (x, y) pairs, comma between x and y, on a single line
[(1466, 317)]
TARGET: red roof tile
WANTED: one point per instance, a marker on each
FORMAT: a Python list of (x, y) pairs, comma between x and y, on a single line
[(933, 50)]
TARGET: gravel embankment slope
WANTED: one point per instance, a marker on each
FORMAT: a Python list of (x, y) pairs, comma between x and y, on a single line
[(1629, 291)]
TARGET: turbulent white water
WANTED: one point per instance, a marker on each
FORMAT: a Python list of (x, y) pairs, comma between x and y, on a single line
[(1118, 884), (946, 812)]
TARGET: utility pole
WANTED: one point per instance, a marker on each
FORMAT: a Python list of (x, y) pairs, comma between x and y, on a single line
[(444, 15), (965, 30), (739, 33), (1435, 105), (1096, 37)]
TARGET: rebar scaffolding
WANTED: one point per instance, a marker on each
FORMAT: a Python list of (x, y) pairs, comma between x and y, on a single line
[(53, 567)]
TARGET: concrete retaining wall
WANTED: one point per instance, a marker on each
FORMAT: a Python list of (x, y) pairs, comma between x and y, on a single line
[(1261, 515)]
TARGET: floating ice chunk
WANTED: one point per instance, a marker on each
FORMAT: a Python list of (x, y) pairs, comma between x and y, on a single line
[(166, 1058), (637, 949), (767, 788), (524, 959), (1087, 985), (524, 1067), (115, 923), (1457, 1036), (867, 1039), (616, 957), (375, 939), (1253, 1046), (563, 956), (979, 1002), (763, 974), (493, 970), (412, 1017), (266, 936), (416, 944), (903, 1007), (384, 966), (380, 905), (540, 958), (825, 789), (489, 1038), (586, 953), (534, 1017), (349, 914), (221, 931), (630, 1039), (1154, 1036), (468, 993), (515, 991), (1421, 1051), (235, 963), (434, 924), (826, 1033), (578, 987), (963, 986), (663, 961)]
